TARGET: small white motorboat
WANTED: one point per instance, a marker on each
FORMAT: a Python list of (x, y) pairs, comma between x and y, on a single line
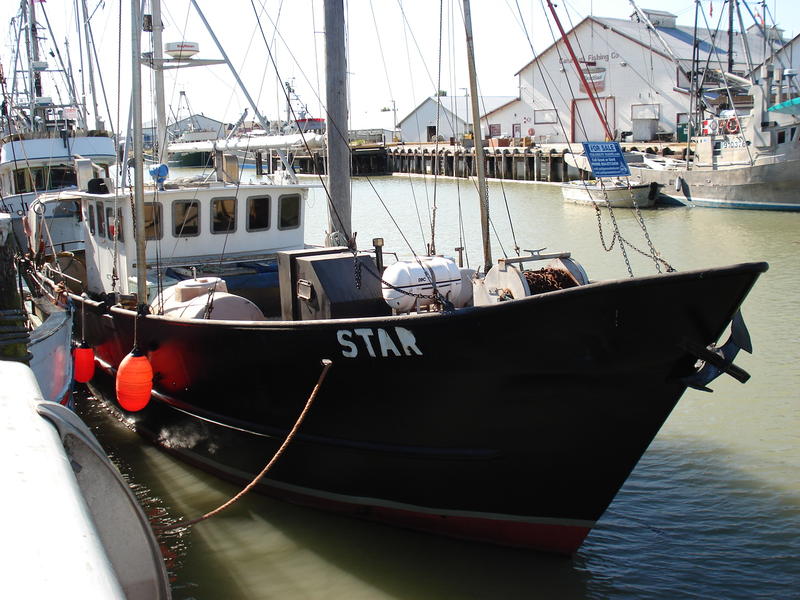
[(71, 523), (617, 193)]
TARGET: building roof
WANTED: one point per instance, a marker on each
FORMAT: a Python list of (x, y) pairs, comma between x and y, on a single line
[(461, 107), (679, 39)]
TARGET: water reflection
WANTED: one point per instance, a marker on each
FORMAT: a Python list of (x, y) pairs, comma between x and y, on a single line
[(688, 523)]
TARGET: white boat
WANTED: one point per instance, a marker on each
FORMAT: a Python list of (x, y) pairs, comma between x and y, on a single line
[(41, 139), (741, 158), (36, 329), (72, 526), (616, 193)]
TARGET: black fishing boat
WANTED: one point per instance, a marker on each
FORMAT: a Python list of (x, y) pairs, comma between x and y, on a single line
[(496, 413)]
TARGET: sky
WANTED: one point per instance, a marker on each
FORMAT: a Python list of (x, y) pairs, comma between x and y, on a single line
[(393, 49)]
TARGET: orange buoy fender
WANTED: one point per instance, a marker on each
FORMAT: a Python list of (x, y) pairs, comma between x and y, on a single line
[(83, 362), (134, 381)]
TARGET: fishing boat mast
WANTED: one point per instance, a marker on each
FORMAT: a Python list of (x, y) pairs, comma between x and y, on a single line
[(138, 152), (339, 207), (34, 78), (483, 192), (158, 68)]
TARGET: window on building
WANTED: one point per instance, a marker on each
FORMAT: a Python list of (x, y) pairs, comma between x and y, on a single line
[(258, 213), (101, 220), (223, 215), (91, 219), (545, 115), (152, 221), (289, 211), (186, 218), (645, 111)]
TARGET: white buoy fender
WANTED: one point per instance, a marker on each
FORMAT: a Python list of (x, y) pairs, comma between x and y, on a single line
[(678, 184)]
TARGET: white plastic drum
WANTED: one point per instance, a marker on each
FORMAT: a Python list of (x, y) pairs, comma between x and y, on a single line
[(418, 277)]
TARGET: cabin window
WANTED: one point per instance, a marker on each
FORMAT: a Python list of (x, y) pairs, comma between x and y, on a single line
[(186, 218), (61, 177), (21, 180), (39, 177), (114, 225), (91, 219), (258, 213), (289, 212), (792, 131), (223, 215), (152, 221), (717, 149), (101, 220), (782, 136)]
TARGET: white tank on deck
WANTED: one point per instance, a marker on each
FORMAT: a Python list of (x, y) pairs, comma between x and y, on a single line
[(189, 299), (418, 277)]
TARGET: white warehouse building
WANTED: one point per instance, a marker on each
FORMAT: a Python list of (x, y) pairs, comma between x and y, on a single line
[(637, 84)]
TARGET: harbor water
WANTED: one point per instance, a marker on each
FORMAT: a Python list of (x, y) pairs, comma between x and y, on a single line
[(711, 511)]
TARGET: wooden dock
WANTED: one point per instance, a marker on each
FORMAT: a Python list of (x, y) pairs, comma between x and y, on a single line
[(516, 163)]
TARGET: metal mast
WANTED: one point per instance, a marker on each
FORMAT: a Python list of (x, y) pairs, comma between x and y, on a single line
[(34, 78), (89, 45), (483, 192), (158, 67), (339, 212), (138, 152)]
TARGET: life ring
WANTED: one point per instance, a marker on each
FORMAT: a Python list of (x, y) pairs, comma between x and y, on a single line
[(732, 125), (531, 131)]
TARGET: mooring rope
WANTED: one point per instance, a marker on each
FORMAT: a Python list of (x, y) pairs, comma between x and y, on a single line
[(326, 365)]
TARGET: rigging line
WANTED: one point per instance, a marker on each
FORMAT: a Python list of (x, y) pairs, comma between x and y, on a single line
[(503, 190), (435, 159), (566, 76), (542, 72), (99, 73), (453, 109), (604, 108), (725, 82), (416, 121), (70, 88), (380, 47), (335, 129), (316, 56)]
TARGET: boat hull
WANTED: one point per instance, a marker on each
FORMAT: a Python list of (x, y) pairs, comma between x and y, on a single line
[(515, 424), (761, 187), (639, 195)]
